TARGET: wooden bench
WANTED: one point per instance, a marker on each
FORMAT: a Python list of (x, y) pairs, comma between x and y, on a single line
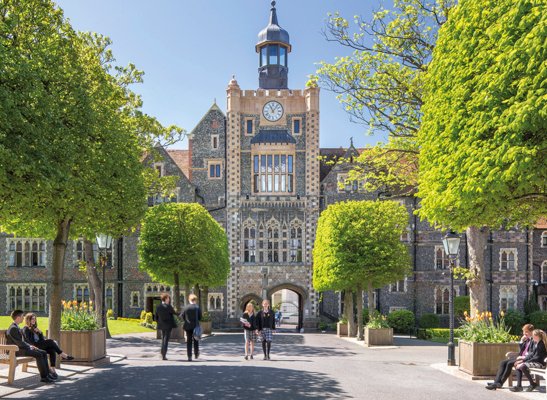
[(538, 372), (7, 356)]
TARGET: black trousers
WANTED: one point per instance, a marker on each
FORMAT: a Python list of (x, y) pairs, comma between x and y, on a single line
[(189, 340), (51, 347), (504, 371), (41, 359), (165, 335), (524, 370)]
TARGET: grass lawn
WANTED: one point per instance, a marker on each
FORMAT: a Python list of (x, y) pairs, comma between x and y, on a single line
[(116, 327)]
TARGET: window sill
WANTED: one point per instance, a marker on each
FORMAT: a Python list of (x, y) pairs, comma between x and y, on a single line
[(28, 266)]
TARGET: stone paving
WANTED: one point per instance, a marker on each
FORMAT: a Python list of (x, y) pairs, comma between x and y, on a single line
[(303, 366)]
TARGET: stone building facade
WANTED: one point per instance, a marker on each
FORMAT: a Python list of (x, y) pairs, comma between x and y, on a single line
[(260, 172)]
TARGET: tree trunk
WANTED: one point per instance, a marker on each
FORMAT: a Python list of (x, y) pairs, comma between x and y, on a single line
[(476, 241), (186, 292), (205, 303), (197, 292), (352, 329), (95, 284), (176, 293), (370, 298), (359, 300), (58, 267)]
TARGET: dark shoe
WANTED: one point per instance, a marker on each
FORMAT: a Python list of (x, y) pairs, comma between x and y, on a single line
[(531, 387), (47, 379), (269, 357), (493, 386), (246, 357), (189, 359), (251, 356), (52, 376), (164, 358), (516, 389), (196, 355), (68, 358), (265, 357)]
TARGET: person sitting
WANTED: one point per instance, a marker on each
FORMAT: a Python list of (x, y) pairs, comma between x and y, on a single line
[(506, 366), (534, 359), (14, 336), (35, 337)]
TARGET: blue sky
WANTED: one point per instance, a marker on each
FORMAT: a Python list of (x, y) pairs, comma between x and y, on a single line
[(189, 50)]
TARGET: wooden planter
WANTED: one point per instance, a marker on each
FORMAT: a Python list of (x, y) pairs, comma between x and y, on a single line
[(206, 327), (341, 329), (84, 346), (482, 359), (378, 337)]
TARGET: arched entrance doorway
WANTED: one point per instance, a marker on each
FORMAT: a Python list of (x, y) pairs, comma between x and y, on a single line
[(290, 300), (251, 297)]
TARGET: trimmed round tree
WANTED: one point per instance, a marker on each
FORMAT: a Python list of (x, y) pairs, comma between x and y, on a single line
[(482, 139), (358, 246), (181, 242)]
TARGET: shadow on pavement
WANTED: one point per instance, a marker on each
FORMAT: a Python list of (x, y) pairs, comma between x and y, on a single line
[(198, 381)]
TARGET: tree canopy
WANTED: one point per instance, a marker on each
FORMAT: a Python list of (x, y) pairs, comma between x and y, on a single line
[(483, 137), (183, 241), (358, 242)]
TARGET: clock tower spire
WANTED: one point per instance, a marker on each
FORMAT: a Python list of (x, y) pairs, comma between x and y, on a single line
[(273, 47)]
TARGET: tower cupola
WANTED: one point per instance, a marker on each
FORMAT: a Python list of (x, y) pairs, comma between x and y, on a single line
[(273, 48)]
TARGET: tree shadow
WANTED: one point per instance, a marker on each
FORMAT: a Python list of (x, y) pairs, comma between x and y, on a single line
[(197, 381)]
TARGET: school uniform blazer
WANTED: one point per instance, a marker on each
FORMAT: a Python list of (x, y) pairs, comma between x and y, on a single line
[(28, 336), (190, 314), (265, 320), (14, 336), (537, 354), (165, 317), (252, 320), (522, 346)]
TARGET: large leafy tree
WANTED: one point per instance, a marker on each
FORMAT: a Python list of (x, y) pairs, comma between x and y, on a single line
[(381, 83), (71, 135), (358, 246), (483, 141), (181, 242)]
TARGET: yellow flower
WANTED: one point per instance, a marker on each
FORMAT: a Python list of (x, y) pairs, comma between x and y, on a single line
[(502, 314)]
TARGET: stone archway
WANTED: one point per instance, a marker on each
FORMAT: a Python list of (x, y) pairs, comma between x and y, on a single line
[(302, 297), (247, 298)]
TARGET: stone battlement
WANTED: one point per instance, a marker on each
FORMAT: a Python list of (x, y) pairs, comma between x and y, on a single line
[(272, 93)]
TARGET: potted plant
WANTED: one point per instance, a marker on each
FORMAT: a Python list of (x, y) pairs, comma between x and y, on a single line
[(483, 343), (378, 331), (342, 327), (206, 323), (81, 335)]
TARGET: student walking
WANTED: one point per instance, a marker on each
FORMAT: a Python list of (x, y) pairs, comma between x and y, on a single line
[(191, 315), (165, 318), (249, 330), (265, 321)]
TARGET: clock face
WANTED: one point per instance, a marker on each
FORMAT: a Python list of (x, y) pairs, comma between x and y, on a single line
[(272, 111)]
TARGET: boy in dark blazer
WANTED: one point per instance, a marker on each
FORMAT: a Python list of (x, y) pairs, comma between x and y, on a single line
[(165, 319), (191, 315)]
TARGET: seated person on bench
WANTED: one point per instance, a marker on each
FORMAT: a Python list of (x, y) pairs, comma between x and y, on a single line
[(14, 336), (506, 366), (534, 359)]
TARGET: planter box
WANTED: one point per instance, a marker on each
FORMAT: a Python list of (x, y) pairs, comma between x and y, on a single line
[(84, 346), (206, 327), (341, 329), (378, 337), (482, 359)]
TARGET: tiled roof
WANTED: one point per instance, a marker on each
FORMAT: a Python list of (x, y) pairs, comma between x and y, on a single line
[(182, 159), (273, 136)]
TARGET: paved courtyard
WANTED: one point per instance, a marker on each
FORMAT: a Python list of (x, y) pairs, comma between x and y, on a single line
[(303, 366)]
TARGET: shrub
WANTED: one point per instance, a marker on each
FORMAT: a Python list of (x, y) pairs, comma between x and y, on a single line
[(461, 306), (377, 321), (143, 315), (538, 319), (484, 329), (401, 320), (366, 316), (322, 326), (78, 317), (149, 318), (343, 320), (514, 320), (432, 333), (110, 314), (429, 320), (206, 317)]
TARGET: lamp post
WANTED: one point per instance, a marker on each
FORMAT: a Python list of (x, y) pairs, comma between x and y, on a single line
[(451, 243), (103, 243)]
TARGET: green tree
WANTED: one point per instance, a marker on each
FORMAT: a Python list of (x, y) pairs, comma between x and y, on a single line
[(358, 246), (71, 135), (483, 144), (182, 242), (380, 84)]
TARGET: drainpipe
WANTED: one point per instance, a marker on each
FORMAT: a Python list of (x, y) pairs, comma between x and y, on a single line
[(528, 265), (491, 281), (467, 260), (120, 276), (415, 252)]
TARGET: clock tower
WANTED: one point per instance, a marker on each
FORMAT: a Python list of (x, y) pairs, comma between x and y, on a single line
[(272, 182)]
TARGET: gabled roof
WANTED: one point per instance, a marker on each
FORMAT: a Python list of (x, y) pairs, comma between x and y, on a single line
[(330, 156), (273, 136), (214, 107), (182, 159)]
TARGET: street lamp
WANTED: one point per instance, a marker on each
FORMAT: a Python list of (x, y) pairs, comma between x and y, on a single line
[(103, 243), (451, 243)]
